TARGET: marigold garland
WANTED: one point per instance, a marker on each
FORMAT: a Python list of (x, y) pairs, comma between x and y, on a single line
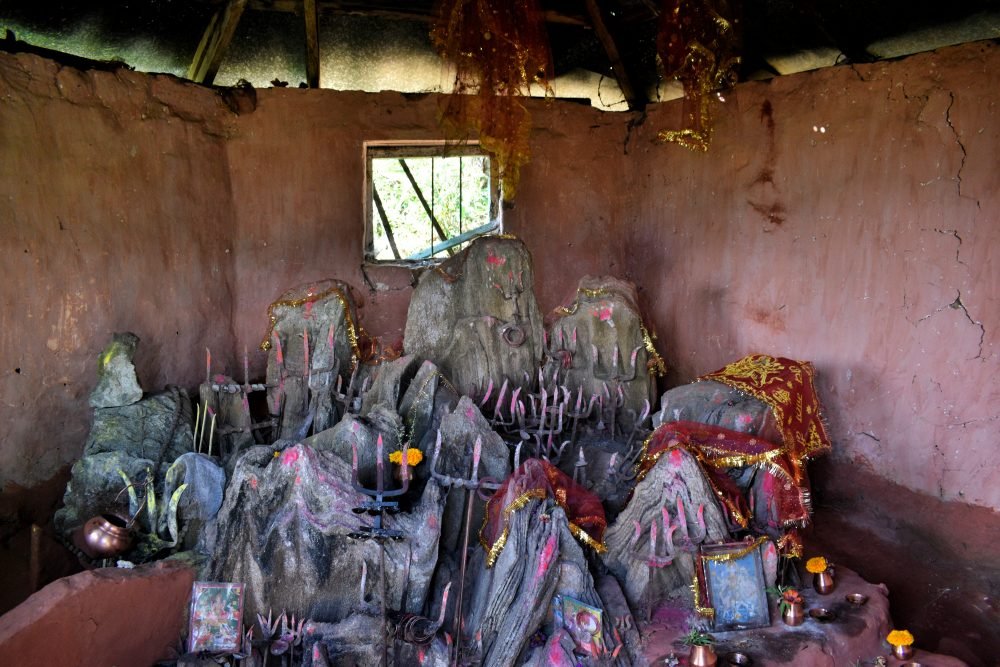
[(900, 638), (817, 565)]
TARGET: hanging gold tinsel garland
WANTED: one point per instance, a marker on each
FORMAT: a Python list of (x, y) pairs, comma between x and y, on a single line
[(499, 49), (697, 44)]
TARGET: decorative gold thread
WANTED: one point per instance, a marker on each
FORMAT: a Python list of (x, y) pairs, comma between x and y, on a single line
[(352, 334), (492, 553), (735, 555)]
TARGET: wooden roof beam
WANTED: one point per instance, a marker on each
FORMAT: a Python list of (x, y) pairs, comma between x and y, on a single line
[(312, 43), (617, 66), (215, 42)]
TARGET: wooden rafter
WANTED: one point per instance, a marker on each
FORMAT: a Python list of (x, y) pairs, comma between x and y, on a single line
[(215, 42), (312, 43), (402, 10), (617, 66)]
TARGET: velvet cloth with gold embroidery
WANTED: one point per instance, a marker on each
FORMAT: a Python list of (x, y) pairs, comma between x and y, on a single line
[(537, 479), (787, 386), (719, 449)]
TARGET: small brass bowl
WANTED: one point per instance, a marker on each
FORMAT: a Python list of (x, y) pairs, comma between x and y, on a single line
[(822, 614), (741, 659), (856, 599)]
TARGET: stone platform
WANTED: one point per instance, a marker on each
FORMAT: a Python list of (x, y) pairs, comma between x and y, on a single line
[(855, 633)]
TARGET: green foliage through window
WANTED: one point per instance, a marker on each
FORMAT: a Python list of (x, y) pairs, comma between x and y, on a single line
[(427, 202)]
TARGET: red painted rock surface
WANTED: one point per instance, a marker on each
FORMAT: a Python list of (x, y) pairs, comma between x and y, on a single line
[(100, 617)]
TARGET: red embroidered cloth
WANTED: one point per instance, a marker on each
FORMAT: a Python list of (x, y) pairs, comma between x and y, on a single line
[(718, 449), (538, 479), (787, 387)]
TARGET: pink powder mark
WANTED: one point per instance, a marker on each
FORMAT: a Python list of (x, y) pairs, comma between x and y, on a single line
[(603, 313), (298, 480), (421, 655), (675, 458), (309, 309), (290, 456), (470, 412), (495, 260), (432, 522), (253, 483), (220, 378), (547, 555), (745, 419)]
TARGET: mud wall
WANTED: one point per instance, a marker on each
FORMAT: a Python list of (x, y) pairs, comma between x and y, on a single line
[(114, 216), (848, 216)]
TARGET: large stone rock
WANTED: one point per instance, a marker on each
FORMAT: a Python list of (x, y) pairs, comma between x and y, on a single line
[(362, 433), (201, 500), (513, 600), (357, 640), (313, 341), (716, 404), (476, 317), (117, 384), (597, 343), (675, 475), (459, 431), (149, 434), (283, 530)]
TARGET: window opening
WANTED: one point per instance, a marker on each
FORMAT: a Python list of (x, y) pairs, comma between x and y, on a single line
[(426, 201)]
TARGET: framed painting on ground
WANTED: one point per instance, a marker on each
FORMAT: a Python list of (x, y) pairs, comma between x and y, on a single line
[(216, 617), (734, 581)]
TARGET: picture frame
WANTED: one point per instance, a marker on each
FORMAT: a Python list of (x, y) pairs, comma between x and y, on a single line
[(216, 617), (584, 624), (735, 585)]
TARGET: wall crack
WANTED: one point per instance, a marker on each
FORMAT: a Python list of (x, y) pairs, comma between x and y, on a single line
[(961, 146)]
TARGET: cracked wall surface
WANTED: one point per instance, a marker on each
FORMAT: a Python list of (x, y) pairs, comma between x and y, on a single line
[(882, 268)]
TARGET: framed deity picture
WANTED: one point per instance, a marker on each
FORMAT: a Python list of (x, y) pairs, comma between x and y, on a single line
[(584, 624), (734, 581), (216, 617)]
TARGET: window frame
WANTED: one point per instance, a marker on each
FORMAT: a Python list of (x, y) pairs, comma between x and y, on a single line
[(420, 149)]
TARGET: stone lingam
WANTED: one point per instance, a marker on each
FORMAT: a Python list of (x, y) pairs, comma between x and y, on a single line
[(497, 496)]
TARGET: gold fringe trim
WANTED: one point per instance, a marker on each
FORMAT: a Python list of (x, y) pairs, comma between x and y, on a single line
[(352, 334), (736, 555), (493, 552)]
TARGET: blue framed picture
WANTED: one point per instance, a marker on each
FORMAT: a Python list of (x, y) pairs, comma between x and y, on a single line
[(734, 580)]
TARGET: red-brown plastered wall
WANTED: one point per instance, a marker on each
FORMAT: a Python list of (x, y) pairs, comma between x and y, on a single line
[(114, 216), (848, 216)]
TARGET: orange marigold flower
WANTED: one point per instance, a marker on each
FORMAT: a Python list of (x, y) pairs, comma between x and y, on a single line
[(816, 565), (413, 457), (900, 638)]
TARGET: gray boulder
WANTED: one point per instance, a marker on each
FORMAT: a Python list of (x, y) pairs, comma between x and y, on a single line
[(716, 404), (117, 384), (676, 475), (149, 434), (313, 340), (597, 344), (284, 530), (476, 317)]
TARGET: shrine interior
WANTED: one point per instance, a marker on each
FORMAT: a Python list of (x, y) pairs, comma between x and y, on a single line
[(844, 215)]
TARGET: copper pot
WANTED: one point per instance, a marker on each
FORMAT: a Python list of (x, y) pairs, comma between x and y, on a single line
[(106, 536), (902, 652), (702, 656), (794, 613), (823, 582)]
